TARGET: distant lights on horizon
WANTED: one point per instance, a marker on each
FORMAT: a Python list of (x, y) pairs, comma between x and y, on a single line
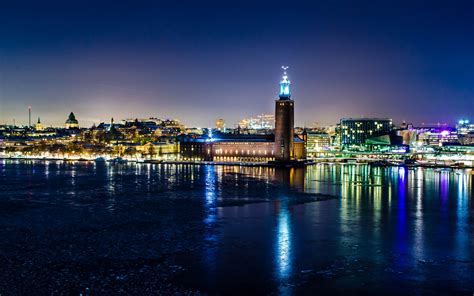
[(285, 92)]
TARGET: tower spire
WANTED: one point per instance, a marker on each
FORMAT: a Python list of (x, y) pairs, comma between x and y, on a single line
[(285, 91), (284, 122)]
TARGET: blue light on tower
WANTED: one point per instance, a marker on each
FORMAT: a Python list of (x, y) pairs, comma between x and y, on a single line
[(209, 135), (285, 92)]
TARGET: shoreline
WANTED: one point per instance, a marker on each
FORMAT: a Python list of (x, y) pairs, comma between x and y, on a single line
[(243, 164)]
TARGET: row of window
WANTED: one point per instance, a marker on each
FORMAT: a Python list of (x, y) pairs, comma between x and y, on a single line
[(242, 152), (242, 159)]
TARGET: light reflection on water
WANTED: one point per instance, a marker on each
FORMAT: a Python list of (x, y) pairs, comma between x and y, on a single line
[(401, 222), (462, 216), (283, 251), (210, 194), (413, 197), (418, 231)]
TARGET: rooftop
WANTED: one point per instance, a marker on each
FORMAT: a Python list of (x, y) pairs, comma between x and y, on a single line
[(366, 119)]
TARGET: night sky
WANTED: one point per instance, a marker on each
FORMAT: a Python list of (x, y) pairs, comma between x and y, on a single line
[(198, 61)]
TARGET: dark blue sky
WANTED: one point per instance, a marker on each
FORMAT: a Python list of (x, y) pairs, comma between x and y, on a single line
[(200, 60)]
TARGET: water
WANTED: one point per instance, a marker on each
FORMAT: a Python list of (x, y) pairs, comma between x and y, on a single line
[(70, 228)]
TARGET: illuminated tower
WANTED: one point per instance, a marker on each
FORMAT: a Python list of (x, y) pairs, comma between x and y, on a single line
[(284, 121)]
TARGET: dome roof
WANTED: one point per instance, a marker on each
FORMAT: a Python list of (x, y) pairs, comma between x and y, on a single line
[(72, 118)]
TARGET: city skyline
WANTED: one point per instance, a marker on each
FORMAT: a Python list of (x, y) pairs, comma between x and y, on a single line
[(237, 147), (202, 62)]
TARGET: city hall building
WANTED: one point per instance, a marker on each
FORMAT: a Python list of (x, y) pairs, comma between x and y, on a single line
[(229, 148), (282, 146)]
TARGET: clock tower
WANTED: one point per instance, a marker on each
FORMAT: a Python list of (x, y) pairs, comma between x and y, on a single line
[(284, 121)]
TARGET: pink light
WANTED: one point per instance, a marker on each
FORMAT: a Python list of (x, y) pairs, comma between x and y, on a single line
[(445, 133)]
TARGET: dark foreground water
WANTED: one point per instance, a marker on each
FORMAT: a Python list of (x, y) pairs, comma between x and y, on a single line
[(71, 228)]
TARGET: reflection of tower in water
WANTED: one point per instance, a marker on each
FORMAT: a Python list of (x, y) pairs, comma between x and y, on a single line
[(293, 178), (283, 246), (211, 179)]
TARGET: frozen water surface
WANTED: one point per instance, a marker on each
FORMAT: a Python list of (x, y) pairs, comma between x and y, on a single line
[(71, 228)]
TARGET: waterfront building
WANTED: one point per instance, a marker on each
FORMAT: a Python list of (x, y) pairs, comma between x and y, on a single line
[(238, 147), (149, 150), (467, 151), (437, 137), (391, 143), (71, 122), (233, 148), (229, 148), (355, 131)]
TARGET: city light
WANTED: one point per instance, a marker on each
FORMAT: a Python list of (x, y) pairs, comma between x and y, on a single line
[(161, 148)]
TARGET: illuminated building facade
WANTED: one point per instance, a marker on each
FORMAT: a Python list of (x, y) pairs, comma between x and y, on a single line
[(437, 137), (355, 131), (465, 131), (464, 127), (38, 126), (228, 148), (409, 136), (71, 122), (282, 146), (317, 142)]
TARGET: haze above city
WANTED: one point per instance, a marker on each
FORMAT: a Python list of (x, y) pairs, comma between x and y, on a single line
[(198, 61)]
